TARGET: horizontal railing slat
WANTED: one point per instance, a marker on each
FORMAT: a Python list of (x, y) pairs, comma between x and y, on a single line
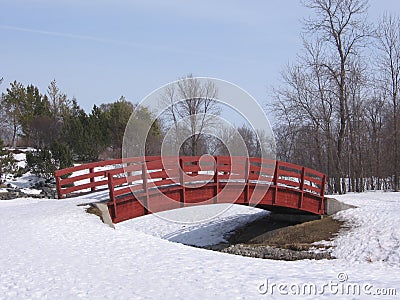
[(127, 190), (311, 173), (87, 166), (284, 173), (84, 186), (313, 179), (312, 188), (82, 177), (289, 183)]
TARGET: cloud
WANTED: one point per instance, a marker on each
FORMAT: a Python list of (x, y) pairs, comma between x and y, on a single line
[(147, 47), (54, 33)]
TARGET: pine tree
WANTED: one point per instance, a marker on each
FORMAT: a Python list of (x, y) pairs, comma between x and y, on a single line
[(117, 115), (7, 162), (13, 102)]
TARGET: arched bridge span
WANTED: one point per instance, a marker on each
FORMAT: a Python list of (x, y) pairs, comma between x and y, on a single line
[(141, 185)]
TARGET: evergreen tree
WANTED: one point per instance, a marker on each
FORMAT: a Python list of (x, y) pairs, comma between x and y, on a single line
[(74, 132), (43, 162), (35, 111), (13, 102), (99, 134), (117, 115), (7, 162), (62, 155), (40, 163), (86, 135)]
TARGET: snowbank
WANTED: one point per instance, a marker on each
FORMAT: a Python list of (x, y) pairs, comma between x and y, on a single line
[(52, 249), (375, 233)]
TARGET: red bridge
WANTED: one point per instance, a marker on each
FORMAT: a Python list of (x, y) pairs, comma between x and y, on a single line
[(142, 185)]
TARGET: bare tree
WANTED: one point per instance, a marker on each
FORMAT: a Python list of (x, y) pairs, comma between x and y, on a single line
[(341, 28), (249, 137), (375, 114), (320, 90), (191, 109), (388, 36), (305, 108)]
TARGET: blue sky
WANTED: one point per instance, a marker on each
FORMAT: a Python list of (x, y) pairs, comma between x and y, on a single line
[(100, 50)]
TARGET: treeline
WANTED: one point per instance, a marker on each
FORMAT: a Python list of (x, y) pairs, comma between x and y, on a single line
[(63, 133), (59, 129), (337, 109)]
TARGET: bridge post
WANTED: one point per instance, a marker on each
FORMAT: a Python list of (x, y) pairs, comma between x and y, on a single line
[(246, 180), (182, 183), (145, 188), (129, 174), (58, 185), (93, 188), (216, 181), (323, 186), (303, 173), (322, 194), (111, 193), (276, 175)]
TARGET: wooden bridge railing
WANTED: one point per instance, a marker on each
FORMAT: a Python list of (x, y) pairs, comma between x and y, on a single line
[(89, 177), (298, 177), (130, 179)]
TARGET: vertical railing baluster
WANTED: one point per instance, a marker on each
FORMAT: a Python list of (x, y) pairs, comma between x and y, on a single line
[(58, 186), (91, 171), (216, 180), (111, 194), (246, 180), (182, 183), (303, 173), (145, 188), (276, 176), (322, 195)]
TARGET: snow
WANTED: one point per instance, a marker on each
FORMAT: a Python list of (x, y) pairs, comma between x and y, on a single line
[(26, 181), (21, 159), (24, 149), (376, 228), (29, 191), (198, 226), (52, 249)]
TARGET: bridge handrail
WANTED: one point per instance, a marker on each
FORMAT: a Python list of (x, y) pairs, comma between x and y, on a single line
[(131, 179), (67, 184), (286, 174)]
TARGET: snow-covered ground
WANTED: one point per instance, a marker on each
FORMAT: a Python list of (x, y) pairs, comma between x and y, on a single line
[(27, 181), (52, 249)]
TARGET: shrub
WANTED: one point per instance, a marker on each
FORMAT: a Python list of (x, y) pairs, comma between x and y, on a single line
[(43, 162), (62, 155)]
